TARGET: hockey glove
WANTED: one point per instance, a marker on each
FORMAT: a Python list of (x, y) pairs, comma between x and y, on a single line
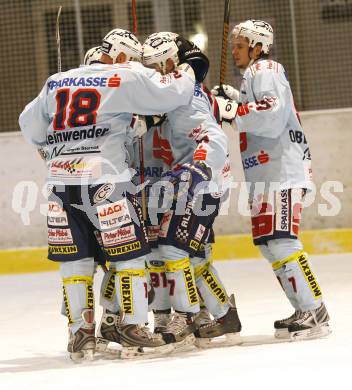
[(186, 179), (226, 91), (190, 54), (227, 109)]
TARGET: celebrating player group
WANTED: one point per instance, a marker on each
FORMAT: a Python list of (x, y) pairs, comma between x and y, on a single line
[(150, 225)]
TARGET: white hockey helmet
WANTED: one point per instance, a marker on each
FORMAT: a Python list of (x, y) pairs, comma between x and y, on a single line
[(93, 56), (158, 48), (119, 40), (256, 31)]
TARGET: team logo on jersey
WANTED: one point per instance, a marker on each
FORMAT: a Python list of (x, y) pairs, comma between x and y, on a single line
[(112, 82), (59, 236), (194, 245), (120, 250), (153, 232), (57, 216), (200, 232), (103, 192), (256, 160), (200, 154), (62, 250), (165, 224), (162, 149), (82, 134), (114, 214), (182, 232), (150, 171), (118, 236)]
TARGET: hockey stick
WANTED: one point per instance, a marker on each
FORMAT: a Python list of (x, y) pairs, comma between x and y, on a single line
[(225, 34), (140, 139), (58, 40)]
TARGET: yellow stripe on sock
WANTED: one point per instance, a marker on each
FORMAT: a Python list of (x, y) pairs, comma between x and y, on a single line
[(279, 263), (176, 265)]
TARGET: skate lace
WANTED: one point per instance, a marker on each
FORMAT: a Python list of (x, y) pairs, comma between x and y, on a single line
[(177, 324), (305, 315), (145, 332), (161, 319)]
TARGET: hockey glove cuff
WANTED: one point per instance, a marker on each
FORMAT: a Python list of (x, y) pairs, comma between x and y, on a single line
[(227, 109), (226, 91), (188, 179)]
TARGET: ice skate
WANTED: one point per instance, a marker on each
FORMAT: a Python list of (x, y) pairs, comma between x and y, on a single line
[(81, 344), (311, 324), (140, 341), (203, 317), (281, 326), (209, 334), (161, 319), (108, 333), (179, 331)]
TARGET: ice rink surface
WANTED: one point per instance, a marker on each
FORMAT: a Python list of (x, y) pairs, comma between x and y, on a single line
[(34, 337)]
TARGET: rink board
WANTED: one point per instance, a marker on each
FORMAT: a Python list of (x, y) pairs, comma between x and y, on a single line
[(23, 260)]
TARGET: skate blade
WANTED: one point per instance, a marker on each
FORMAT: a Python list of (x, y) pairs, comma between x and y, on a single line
[(318, 332), (103, 348), (227, 340), (85, 355), (146, 352), (282, 334), (101, 345), (186, 344)]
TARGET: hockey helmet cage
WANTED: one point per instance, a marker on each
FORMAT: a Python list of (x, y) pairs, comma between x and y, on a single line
[(256, 31), (119, 40), (93, 56)]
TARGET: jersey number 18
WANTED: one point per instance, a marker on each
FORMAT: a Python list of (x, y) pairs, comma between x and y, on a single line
[(82, 110)]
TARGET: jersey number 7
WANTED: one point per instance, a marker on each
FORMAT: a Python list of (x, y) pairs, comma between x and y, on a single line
[(82, 108)]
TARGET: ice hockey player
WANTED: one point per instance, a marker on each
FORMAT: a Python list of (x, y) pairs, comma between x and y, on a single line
[(275, 151), (93, 56), (80, 119), (199, 153), (108, 330)]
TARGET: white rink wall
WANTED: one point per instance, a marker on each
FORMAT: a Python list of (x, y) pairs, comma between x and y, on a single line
[(329, 134)]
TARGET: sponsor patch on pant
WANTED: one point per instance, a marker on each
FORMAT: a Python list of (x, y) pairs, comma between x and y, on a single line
[(126, 294)]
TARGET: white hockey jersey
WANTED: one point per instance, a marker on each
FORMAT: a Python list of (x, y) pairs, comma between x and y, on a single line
[(82, 118), (194, 135), (154, 152), (272, 142)]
